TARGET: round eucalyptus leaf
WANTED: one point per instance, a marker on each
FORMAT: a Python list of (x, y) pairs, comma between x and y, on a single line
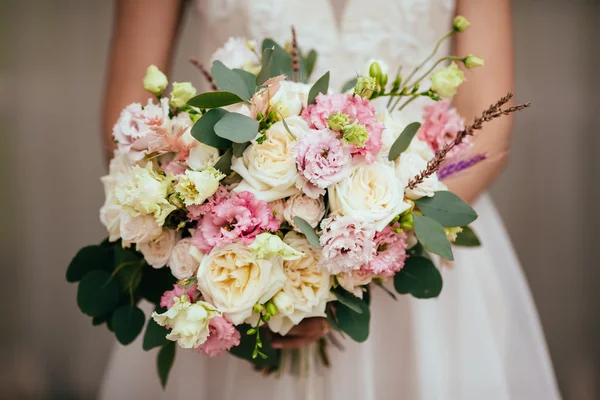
[(97, 294), (127, 322)]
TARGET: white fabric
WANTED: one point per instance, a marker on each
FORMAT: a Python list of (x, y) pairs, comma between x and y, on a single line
[(481, 339)]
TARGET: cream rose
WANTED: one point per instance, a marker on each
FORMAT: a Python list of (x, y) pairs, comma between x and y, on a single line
[(371, 194), (157, 252), (410, 165), (354, 281), (189, 322), (309, 209), (290, 98), (268, 169), (306, 289), (202, 156), (110, 212), (183, 261), (138, 229), (234, 284)]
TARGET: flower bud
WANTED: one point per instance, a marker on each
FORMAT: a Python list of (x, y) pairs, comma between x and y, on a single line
[(365, 86), (355, 134), (473, 62), (375, 70), (445, 81), (271, 308), (406, 221), (155, 81), (338, 121), (460, 23), (251, 331), (257, 308), (181, 93)]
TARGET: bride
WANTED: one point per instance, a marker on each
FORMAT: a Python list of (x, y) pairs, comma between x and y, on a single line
[(481, 339)]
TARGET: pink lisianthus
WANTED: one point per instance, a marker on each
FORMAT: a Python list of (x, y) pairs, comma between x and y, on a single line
[(222, 336), (441, 123), (196, 211), (168, 297), (322, 160), (358, 109), (347, 244), (391, 253), (240, 217)]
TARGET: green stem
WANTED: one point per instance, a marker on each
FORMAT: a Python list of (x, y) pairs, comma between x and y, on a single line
[(407, 102), (447, 58), (435, 50)]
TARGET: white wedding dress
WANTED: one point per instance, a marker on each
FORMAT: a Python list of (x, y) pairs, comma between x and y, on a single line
[(481, 339)]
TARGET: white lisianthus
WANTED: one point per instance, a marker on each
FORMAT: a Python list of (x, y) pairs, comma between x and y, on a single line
[(157, 252), (234, 283), (155, 81), (269, 169), (181, 93), (410, 165), (139, 229), (202, 156), (239, 53), (195, 187), (354, 281), (143, 191), (290, 98), (371, 194), (266, 246), (445, 81), (384, 67), (184, 260), (306, 289), (309, 209), (188, 321)]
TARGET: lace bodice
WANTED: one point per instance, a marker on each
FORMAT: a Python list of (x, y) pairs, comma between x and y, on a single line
[(345, 33)]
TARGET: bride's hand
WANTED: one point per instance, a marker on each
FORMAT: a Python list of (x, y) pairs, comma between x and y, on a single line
[(308, 331)]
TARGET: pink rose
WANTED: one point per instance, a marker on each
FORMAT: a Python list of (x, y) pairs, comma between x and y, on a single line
[(223, 336)]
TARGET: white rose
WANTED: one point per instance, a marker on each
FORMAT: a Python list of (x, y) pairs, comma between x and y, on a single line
[(306, 289), (144, 191), (410, 165), (353, 281), (309, 209), (290, 98), (371, 194), (183, 261), (202, 156), (237, 53), (269, 169), (138, 229), (234, 284), (385, 69), (158, 251), (195, 187), (189, 322)]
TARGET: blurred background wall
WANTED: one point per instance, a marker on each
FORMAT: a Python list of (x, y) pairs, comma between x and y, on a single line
[(51, 82)]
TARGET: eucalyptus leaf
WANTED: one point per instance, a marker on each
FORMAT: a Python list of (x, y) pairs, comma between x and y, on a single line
[(155, 335), (127, 322), (403, 141), (419, 277), (308, 231), (223, 164), (355, 325), (309, 63), (214, 99), (349, 85), (320, 86), (229, 81), (88, 259), (249, 80), (97, 293), (236, 127), (204, 129), (431, 235), (467, 238), (265, 70), (164, 362), (447, 208), (349, 300), (281, 62)]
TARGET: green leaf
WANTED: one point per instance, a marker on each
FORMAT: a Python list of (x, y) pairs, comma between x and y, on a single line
[(419, 277), (265, 70), (204, 129), (155, 335), (309, 63), (237, 128), (127, 322), (229, 81), (308, 231), (352, 323), (223, 164), (154, 283), (101, 319), (97, 294), (281, 62), (238, 148), (249, 80), (214, 99), (164, 362), (128, 269), (467, 238), (349, 300), (431, 235), (403, 141), (447, 208), (320, 86), (349, 85), (88, 259)]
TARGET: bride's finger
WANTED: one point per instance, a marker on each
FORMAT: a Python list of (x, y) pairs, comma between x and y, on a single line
[(310, 326), (293, 342)]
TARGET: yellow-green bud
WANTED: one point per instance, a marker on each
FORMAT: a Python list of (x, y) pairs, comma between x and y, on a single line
[(338, 121), (266, 317), (271, 308), (365, 86), (181, 93), (355, 134), (257, 308), (397, 230), (375, 70), (460, 23), (384, 79), (406, 221), (473, 62), (251, 331), (194, 117), (155, 81), (445, 81)]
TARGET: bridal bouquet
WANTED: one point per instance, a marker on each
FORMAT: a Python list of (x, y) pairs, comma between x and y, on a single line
[(242, 211)]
